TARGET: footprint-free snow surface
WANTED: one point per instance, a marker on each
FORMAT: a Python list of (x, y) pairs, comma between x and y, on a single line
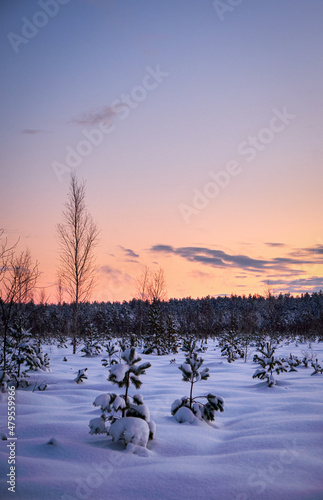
[(268, 443)]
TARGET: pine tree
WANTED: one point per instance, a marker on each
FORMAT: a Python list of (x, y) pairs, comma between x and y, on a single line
[(317, 367), (189, 345), (23, 355), (92, 346), (124, 375), (110, 348), (192, 373), (156, 341), (81, 376), (293, 362), (231, 346), (171, 339), (269, 364)]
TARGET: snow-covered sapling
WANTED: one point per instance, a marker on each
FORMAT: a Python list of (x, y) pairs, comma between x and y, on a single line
[(123, 411), (292, 361), (189, 345), (317, 367), (269, 364), (231, 346), (308, 357), (81, 376), (186, 408), (23, 355), (111, 350), (91, 345)]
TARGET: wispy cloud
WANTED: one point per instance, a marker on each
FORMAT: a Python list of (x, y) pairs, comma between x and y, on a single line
[(116, 276), (313, 281), (218, 258), (33, 131), (129, 253), (104, 114), (286, 272), (196, 274), (270, 244)]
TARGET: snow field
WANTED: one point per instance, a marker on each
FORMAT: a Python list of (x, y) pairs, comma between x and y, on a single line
[(267, 444)]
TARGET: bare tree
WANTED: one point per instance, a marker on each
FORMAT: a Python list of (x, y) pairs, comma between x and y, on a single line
[(157, 291), (142, 284), (78, 236), (59, 290), (151, 285), (18, 278)]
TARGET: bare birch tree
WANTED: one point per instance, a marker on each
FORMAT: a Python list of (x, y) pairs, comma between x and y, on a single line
[(78, 236)]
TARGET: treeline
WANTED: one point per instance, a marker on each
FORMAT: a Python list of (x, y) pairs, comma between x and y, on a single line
[(202, 318)]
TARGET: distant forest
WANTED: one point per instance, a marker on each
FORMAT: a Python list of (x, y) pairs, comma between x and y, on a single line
[(202, 318)]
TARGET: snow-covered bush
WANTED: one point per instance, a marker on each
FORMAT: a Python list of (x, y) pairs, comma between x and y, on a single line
[(81, 376), (269, 364), (122, 411), (189, 408)]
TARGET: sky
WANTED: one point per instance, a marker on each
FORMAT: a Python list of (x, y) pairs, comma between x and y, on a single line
[(196, 125)]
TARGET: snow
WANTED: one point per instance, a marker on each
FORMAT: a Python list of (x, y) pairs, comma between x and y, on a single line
[(266, 444), (103, 400), (119, 403), (142, 409), (185, 415), (131, 429), (97, 426), (119, 371)]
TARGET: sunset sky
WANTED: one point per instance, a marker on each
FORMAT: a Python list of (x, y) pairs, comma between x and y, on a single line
[(196, 124)]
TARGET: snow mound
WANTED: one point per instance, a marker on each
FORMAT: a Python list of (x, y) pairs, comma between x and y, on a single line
[(185, 415), (132, 430), (97, 426)]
